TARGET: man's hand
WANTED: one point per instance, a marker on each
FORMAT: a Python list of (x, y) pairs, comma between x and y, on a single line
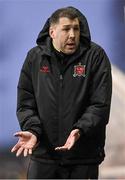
[(25, 144), (73, 137)]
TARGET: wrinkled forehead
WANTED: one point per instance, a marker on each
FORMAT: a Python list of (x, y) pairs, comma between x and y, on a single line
[(64, 21)]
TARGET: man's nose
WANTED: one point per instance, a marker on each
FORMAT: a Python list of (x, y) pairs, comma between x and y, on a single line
[(71, 33)]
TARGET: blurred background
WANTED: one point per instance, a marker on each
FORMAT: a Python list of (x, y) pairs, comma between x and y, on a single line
[(20, 23)]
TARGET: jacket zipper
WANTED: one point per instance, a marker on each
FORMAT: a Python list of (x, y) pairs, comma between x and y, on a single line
[(60, 101), (61, 80)]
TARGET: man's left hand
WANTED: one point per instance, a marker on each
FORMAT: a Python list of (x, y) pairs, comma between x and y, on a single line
[(73, 137)]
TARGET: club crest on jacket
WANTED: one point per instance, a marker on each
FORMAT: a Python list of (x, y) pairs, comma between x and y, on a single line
[(44, 69), (79, 70)]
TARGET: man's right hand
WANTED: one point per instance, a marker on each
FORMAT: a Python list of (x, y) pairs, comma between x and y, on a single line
[(27, 141)]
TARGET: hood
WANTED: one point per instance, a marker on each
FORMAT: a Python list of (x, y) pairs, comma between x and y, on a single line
[(85, 37)]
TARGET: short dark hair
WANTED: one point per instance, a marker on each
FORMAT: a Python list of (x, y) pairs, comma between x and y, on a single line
[(68, 12)]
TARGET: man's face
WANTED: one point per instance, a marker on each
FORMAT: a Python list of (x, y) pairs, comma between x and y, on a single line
[(65, 35)]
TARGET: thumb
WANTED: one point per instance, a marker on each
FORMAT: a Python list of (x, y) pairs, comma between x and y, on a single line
[(17, 134)]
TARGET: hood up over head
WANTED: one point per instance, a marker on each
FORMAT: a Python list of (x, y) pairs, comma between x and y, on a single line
[(85, 37)]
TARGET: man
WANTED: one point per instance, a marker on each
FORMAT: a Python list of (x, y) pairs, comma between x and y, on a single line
[(64, 96)]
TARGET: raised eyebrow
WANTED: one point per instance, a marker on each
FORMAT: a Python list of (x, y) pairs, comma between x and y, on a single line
[(68, 26)]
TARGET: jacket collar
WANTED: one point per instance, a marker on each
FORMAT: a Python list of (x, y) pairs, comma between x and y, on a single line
[(47, 50)]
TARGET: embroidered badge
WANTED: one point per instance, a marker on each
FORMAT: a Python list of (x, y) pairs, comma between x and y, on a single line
[(79, 70), (45, 69)]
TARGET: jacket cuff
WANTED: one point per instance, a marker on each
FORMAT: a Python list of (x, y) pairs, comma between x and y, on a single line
[(81, 132), (33, 131)]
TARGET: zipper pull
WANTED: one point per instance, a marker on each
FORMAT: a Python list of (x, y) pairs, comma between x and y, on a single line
[(61, 80)]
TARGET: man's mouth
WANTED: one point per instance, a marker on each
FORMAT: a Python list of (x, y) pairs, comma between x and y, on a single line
[(71, 45)]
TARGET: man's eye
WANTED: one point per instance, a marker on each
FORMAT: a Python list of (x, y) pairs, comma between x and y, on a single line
[(76, 29), (66, 29)]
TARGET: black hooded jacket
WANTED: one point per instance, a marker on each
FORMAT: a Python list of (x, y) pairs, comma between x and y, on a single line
[(51, 103)]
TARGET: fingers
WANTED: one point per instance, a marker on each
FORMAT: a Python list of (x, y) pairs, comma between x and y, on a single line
[(61, 148), (25, 143), (15, 148), (30, 151), (64, 148), (27, 151), (68, 145), (19, 151)]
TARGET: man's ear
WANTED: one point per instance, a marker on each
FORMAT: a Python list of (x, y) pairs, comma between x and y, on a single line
[(52, 32)]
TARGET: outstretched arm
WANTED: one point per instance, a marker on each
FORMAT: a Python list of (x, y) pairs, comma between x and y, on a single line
[(96, 115), (27, 111)]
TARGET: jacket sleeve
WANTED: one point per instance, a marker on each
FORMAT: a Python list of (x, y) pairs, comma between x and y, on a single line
[(27, 112), (97, 112)]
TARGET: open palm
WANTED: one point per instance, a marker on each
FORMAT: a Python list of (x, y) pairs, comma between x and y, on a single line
[(72, 138), (25, 144)]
